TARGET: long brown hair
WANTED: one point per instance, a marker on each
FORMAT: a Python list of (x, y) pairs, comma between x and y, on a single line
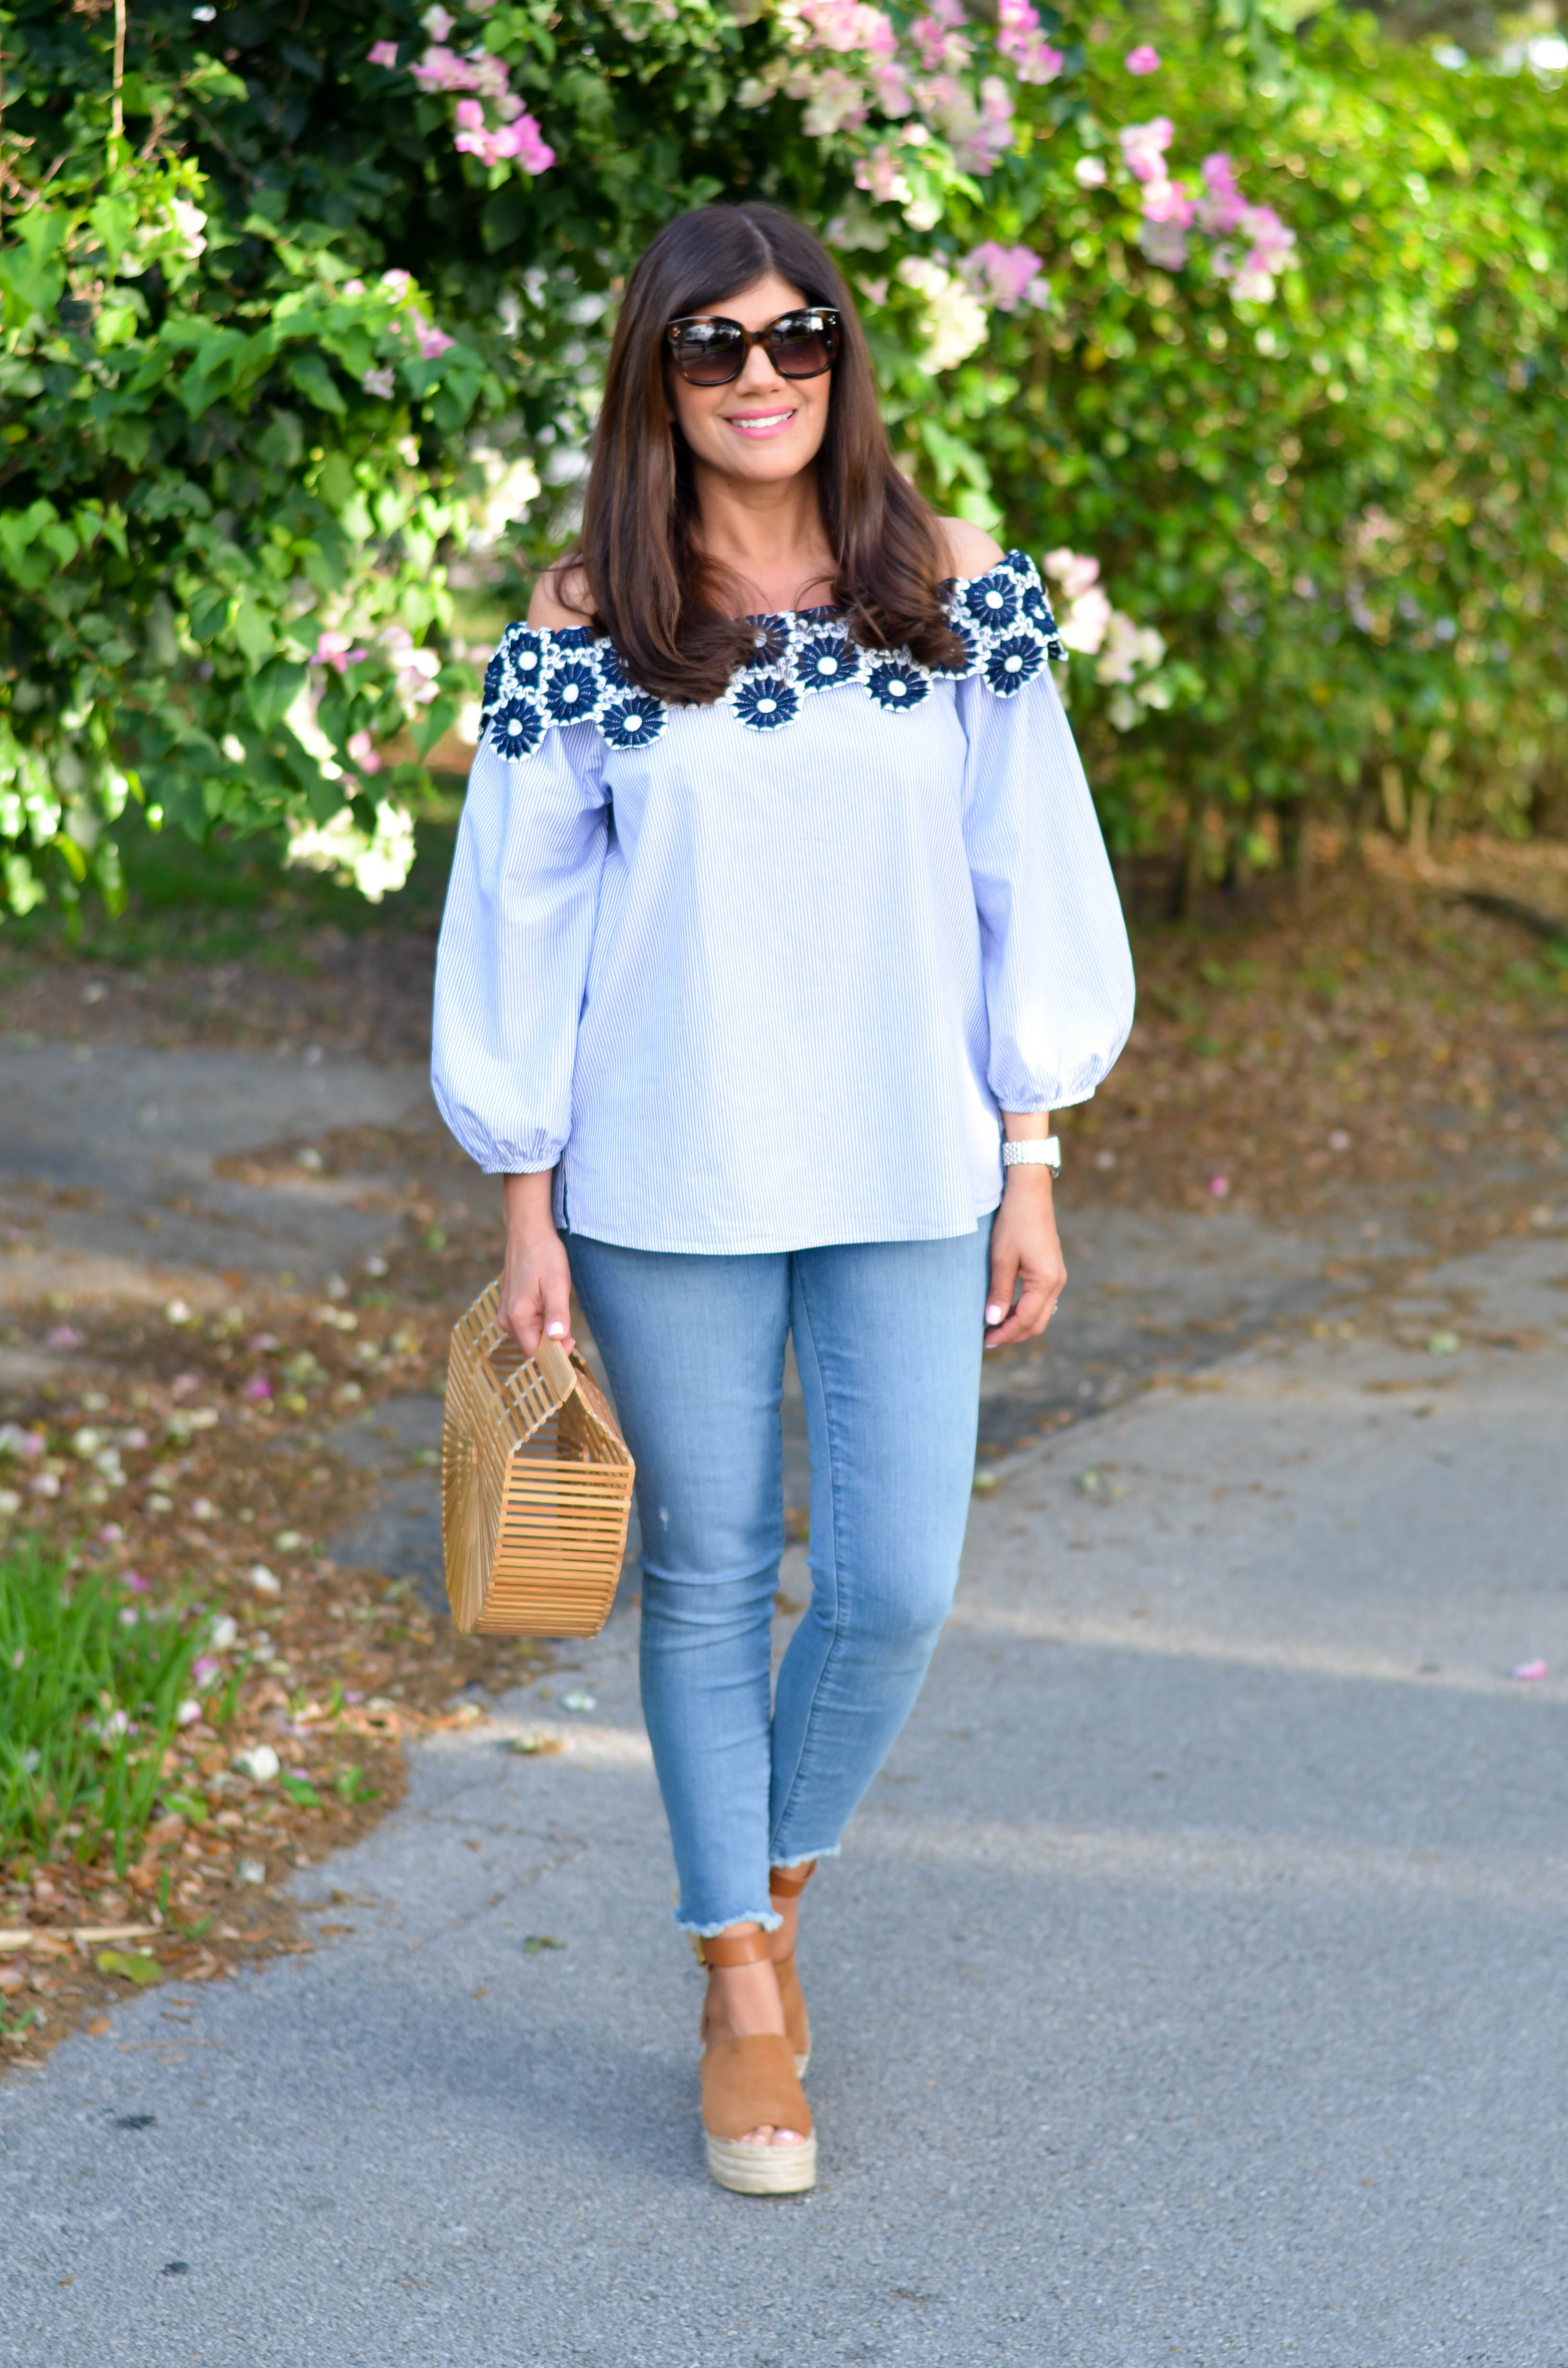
[(648, 586)]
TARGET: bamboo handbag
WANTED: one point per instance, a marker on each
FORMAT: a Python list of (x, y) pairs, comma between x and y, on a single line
[(535, 1485)]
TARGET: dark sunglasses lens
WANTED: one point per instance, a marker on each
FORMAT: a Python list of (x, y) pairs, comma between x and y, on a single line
[(710, 353), (803, 347)]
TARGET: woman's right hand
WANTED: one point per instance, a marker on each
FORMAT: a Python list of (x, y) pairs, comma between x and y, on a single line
[(536, 1280)]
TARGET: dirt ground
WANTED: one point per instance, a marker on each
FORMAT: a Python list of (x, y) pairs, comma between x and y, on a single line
[(1377, 1059)]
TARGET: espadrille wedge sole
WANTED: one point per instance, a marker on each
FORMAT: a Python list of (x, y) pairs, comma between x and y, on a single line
[(745, 2084), (750, 2083)]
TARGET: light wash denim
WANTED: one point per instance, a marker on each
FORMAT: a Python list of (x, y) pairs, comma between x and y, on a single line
[(888, 1339)]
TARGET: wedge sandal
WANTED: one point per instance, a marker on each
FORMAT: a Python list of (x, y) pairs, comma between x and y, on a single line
[(788, 1882), (747, 2083)]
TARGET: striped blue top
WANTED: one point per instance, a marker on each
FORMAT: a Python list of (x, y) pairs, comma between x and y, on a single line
[(760, 976)]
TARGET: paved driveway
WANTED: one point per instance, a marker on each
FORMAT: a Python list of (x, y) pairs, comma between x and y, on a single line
[(1191, 1988)]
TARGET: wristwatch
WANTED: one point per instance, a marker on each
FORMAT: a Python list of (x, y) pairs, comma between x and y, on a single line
[(1034, 1155)]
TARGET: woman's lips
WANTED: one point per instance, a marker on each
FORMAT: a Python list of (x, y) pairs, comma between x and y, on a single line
[(758, 424)]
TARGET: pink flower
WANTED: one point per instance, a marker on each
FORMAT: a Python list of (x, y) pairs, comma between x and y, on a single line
[(1222, 205), (1143, 60), (520, 138), (1020, 39), (206, 1669), (1218, 1186), (848, 25), (189, 1714), (397, 283), (63, 1337), (940, 39), (383, 53), (879, 174), (1006, 277), (890, 86), (362, 748), (380, 382), (1167, 201), (332, 650), (442, 69), (353, 288), (1144, 146), (110, 1534), (256, 1389), (137, 1585), (433, 342)]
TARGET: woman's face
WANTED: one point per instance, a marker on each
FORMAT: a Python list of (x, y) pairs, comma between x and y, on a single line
[(760, 427)]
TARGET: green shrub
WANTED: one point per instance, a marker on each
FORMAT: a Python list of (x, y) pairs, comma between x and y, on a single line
[(305, 319), (91, 1684)]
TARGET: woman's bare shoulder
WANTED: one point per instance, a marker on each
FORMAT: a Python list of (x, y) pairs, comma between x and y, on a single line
[(561, 598), (969, 550)]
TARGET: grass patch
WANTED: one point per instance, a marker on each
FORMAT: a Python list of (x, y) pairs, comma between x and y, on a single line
[(91, 1685)]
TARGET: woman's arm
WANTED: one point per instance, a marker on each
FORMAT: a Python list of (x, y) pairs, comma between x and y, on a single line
[(1026, 1254), (536, 1280)]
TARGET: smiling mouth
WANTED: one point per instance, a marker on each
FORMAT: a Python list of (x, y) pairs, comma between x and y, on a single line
[(760, 423)]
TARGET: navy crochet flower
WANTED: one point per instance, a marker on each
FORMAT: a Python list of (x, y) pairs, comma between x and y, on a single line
[(825, 660), (970, 658), (897, 686), (571, 692), (523, 649), (767, 701), (612, 674), (1018, 563), (992, 599), (634, 722), (1013, 663), (517, 728), (771, 644)]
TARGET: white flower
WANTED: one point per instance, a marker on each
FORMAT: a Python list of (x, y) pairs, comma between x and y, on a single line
[(509, 487), (190, 222), (374, 860), (1089, 173), (957, 319), (260, 1764), (225, 1634)]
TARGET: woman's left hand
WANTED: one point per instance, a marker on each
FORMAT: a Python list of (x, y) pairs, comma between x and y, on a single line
[(1026, 1254)]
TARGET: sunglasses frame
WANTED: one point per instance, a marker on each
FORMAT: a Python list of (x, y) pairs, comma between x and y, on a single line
[(832, 332)]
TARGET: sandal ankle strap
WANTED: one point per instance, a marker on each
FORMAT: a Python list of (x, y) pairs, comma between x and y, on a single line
[(733, 1948), (789, 1882)]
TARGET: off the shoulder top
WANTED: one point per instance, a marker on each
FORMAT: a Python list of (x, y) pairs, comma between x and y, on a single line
[(760, 975)]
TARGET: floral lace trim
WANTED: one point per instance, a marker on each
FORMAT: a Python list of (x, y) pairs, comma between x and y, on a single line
[(542, 676)]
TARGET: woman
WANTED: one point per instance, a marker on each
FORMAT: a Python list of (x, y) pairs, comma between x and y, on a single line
[(779, 900)]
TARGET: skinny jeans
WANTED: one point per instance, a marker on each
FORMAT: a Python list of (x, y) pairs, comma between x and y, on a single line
[(889, 1339)]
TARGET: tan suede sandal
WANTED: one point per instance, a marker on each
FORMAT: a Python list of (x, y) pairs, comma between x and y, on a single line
[(788, 1882), (747, 2083)]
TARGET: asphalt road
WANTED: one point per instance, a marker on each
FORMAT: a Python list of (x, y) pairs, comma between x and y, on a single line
[(1191, 1988)]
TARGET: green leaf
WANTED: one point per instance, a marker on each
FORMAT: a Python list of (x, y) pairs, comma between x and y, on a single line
[(272, 693), (311, 375), (139, 1968), (252, 628), (114, 219), (300, 1791)]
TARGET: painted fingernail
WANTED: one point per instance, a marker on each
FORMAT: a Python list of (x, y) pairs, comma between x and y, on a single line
[(555, 1331), (994, 1316)]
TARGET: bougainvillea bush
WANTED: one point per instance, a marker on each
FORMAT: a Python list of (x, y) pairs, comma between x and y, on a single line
[(1254, 341)]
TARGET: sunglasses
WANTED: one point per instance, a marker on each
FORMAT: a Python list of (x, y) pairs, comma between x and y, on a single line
[(713, 352)]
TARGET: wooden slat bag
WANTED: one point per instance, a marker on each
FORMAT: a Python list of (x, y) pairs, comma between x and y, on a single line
[(535, 1485)]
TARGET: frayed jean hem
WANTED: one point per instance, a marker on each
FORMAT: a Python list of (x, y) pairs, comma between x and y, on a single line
[(805, 1858), (765, 1917)]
